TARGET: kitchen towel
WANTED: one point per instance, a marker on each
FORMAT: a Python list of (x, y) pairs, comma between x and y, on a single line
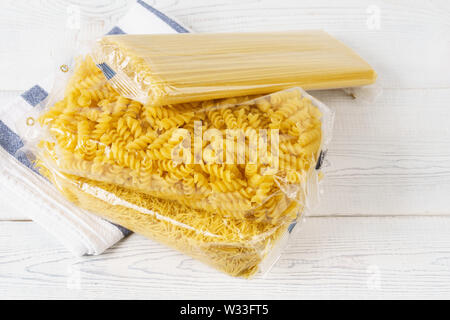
[(79, 231)]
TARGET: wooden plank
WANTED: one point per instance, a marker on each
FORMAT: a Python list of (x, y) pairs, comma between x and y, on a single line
[(328, 258), (388, 157), (405, 41)]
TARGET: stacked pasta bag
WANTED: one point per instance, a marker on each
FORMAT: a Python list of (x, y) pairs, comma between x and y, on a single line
[(223, 180), (176, 68)]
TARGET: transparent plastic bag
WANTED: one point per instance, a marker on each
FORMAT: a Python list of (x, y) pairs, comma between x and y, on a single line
[(178, 68), (230, 245), (221, 180)]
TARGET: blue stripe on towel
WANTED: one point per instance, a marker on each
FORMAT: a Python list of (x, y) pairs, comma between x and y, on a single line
[(175, 26), (35, 95), (11, 142), (116, 30)]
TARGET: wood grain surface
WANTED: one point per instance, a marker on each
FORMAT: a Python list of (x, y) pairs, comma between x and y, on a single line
[(329, 258), (382, 228)]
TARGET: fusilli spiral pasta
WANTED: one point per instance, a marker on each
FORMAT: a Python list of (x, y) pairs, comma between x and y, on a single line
[(93, 125)]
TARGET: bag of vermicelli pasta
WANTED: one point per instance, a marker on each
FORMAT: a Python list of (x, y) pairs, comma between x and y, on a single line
[(176, 68)]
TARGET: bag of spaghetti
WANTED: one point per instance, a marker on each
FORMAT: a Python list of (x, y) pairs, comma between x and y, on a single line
[(176, 68), (233, 246), (221, 180)]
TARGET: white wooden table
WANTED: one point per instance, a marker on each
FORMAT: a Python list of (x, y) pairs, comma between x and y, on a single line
[(382, 229)]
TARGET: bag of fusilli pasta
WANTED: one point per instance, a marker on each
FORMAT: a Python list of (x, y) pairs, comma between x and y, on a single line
[(221, 180)]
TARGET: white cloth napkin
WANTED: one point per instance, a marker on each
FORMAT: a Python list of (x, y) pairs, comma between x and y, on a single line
[(78, 230)]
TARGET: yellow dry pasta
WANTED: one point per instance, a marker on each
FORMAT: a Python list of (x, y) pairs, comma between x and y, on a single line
[(177, 68), (122, 142)]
